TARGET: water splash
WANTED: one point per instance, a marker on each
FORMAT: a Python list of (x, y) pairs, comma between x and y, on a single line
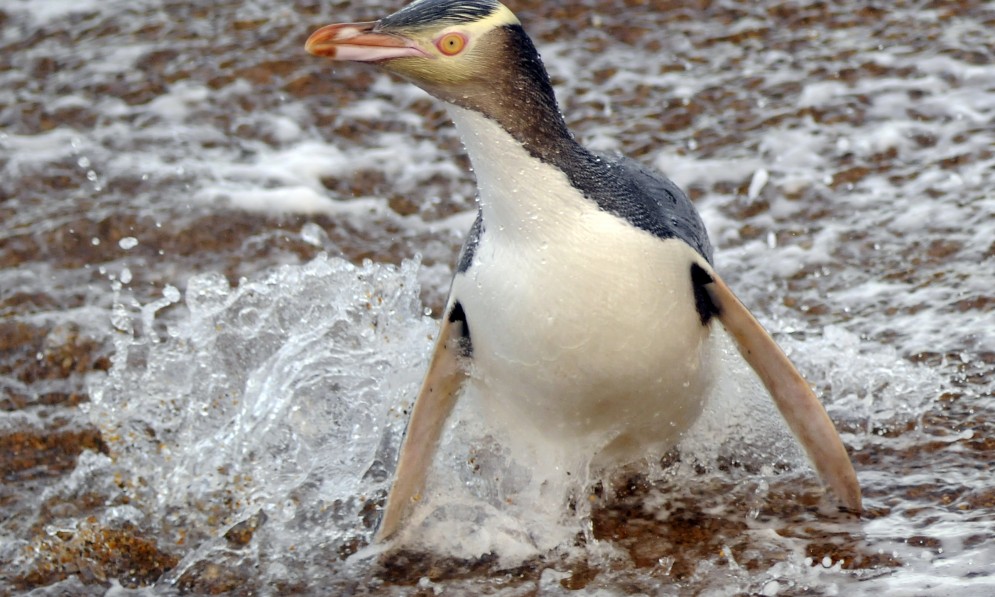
[(277, 404)]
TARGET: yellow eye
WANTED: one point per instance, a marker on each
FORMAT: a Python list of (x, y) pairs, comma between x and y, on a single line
[(451, 44)]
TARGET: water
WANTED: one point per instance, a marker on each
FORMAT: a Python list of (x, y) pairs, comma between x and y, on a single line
[(216, 253)]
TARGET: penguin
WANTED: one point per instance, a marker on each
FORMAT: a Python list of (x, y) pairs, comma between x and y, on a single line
[(585, 299)]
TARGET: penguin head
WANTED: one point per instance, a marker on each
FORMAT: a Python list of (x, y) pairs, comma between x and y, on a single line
[(443, 46), (472, 53)]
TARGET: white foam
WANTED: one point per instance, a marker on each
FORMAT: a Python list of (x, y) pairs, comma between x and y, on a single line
[(757, 183), (43, 11), (296, 199), (821, 93), (687, 171), (177, 105)]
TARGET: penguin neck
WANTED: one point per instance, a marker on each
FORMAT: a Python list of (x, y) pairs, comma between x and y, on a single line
[(523, 186), (519, 97), (526, 161)]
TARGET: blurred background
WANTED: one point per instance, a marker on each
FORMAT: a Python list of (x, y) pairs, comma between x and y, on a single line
[(162, 163)]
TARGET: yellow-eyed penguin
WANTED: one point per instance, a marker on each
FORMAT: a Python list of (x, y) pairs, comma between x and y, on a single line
[(585, 290)]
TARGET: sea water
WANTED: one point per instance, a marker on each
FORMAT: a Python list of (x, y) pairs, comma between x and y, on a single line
[(253, 237)]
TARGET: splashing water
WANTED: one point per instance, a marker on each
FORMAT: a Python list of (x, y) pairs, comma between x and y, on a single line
[(280, 400)]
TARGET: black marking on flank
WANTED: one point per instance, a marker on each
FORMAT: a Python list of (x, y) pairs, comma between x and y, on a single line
[(702, 299), (470, 245), (439, 13), (457, 316)]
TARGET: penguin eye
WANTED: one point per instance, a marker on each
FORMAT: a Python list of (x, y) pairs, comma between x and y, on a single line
[(451, 44)]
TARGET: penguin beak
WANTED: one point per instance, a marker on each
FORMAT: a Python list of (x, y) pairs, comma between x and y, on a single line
[(360, 42)]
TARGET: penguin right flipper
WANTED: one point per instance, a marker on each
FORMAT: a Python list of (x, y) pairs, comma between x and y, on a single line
[(435, 402), (799, 405)]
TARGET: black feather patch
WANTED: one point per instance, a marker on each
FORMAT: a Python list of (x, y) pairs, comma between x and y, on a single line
[(438, 13), (470, 245), (457, 316), (702, 300)]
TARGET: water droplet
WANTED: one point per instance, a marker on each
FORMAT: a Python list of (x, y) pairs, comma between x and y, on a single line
[(120, 318), (95, 241), (83, 162), (313, 234), (128, 242), (126, 276), (757, 183), (171, 293)]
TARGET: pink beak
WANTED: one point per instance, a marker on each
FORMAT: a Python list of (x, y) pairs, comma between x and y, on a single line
[(360, 43)]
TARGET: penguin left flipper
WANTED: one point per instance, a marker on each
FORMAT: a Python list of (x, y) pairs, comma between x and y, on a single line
[(797, 402), (446, 373)]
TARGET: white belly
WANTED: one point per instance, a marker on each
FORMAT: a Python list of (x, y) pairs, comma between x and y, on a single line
[(600, 347)]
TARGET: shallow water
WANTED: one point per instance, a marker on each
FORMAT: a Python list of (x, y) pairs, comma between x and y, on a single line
[(216, 254)]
